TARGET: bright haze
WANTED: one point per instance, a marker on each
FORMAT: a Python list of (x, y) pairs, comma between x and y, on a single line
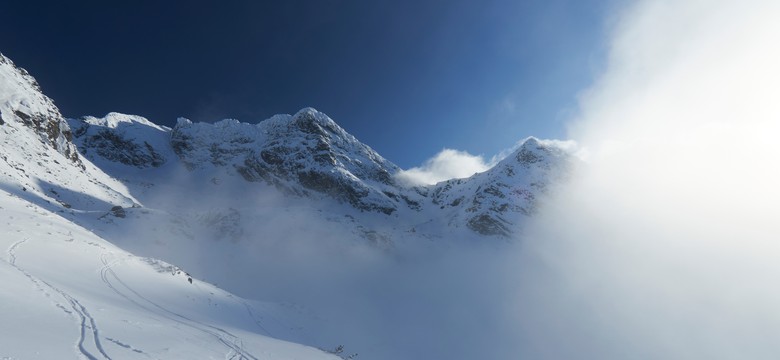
[(408, 78)]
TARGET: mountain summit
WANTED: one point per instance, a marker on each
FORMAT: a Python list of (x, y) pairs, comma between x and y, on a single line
[(300, 154)]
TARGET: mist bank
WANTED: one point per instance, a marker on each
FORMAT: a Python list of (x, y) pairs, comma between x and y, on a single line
[(666, 244)]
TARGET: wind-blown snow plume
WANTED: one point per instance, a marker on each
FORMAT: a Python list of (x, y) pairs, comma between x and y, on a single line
[(666, 244)]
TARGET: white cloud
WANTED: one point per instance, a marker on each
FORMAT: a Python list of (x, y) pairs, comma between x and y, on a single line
[(666, 244), (447, 164), (455, 164)]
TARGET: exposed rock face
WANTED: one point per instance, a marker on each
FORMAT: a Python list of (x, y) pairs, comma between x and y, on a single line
[(22, 102), (126, 139), (303, 154), (113, 147), (118, 211), (491, 202), (486, 224)]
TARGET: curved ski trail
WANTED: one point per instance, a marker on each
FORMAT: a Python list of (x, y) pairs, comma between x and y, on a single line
[(233, 343), (87, 322)]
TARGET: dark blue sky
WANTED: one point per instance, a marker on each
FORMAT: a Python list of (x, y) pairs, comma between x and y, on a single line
[(406, 77)]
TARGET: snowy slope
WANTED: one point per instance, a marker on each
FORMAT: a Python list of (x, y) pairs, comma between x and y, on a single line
[(68, 293)]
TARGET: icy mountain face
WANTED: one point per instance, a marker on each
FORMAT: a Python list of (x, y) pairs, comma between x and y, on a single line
[(305, 154), (489, 203), (22, 102), (126, 139)]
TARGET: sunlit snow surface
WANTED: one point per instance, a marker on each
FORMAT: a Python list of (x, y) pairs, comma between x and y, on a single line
[(67, 293)]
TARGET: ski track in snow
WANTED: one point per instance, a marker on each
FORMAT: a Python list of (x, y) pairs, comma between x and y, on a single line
[(233, 343), (12, 252), (77, 307), (254, 318)]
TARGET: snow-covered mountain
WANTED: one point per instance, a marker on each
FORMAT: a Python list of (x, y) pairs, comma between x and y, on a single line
[(69, 293), (489, 203), (90, 204), (39, 157), (307, 155), (304, 154)]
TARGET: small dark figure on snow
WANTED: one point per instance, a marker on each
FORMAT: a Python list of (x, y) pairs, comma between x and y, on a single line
[(189, 279)]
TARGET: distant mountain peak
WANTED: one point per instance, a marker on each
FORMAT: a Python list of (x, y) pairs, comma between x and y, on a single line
[(533, 151), (115, 119)]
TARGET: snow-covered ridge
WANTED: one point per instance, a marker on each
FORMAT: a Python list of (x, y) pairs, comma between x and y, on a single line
[(308, 129), (22, 102), (115, 120), (127, 139), (488, 202), (307, 155), (304, 154)]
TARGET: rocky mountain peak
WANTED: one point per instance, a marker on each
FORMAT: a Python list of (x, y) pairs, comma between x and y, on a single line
[(490, 202), (311, 121), (304, 154), (127, 139), (533, 151)]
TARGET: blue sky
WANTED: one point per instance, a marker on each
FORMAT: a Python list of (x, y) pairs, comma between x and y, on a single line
[(408, 78)]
